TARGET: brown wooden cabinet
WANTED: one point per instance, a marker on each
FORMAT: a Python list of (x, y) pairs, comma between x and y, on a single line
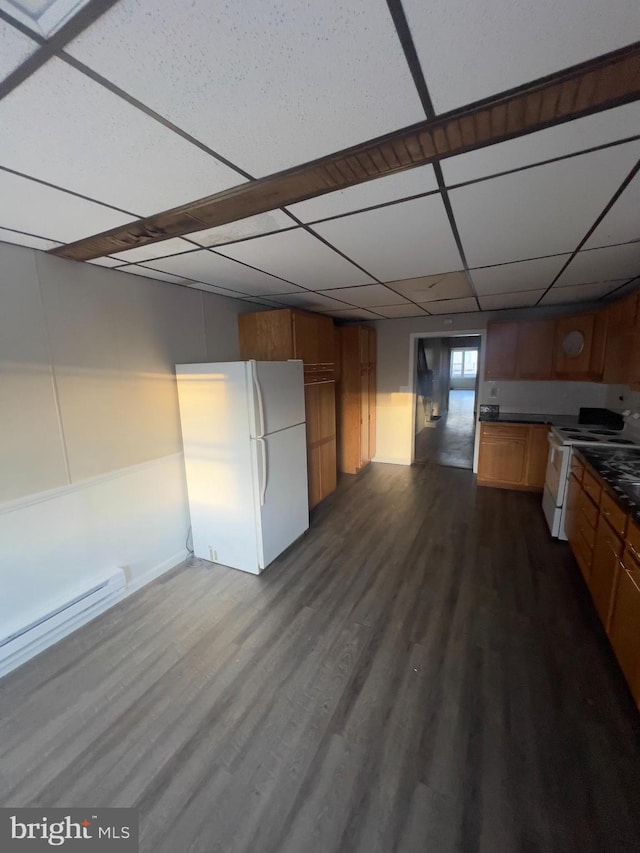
[(356, 398), (288, 333), (501, 351), (580, 347), (624, 627), (535, 349), (513, 456), (605, 567)]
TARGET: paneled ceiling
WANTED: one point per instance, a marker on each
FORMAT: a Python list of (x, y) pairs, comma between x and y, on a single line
[(112, 111)]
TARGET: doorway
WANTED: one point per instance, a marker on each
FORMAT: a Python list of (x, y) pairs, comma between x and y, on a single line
[(446, 400)]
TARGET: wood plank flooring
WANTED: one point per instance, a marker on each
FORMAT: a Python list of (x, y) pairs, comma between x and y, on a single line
[(423, 671)]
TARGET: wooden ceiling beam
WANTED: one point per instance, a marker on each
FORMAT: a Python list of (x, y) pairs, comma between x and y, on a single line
[(599, 84)]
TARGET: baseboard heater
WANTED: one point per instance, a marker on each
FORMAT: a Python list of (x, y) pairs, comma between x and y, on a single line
[(37, 635)]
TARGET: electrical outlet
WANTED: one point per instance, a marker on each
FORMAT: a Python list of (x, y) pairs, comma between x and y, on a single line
[(213, 554), (493, 392)]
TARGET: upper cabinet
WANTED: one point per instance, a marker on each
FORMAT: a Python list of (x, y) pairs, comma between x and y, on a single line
[(579, 347), (535, 349), (502, 348)]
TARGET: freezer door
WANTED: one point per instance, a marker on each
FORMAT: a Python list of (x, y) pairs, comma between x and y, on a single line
[(277, 395), (280, 461)]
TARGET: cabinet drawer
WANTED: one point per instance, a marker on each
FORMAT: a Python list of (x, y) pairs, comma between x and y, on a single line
[(615, 516), (577, 468), (588, 508), (586, 529), (517, 431), (583, 552), (633, 538), (592, 487)]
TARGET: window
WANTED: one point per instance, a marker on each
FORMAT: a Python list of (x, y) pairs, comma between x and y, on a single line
[(464, 363)]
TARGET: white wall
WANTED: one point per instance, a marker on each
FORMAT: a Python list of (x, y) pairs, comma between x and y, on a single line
[(395, 399), (92, 476)]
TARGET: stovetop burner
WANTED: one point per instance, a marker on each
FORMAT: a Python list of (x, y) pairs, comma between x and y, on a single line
[(603, 432)]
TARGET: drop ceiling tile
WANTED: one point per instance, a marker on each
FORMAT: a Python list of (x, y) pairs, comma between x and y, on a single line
[(134, 269), (523, 275), (524, 299), (594, 265), (622, 223), (212, 268), (312, 301), (14, 49), (151, 251), (453, 306), (471, 50), (368, 296), (89, 140), (20, 239), (297, 256), (579, 292), (252, 226), (105, 262), (399, 311), (429, 288), (402, 241), (547, 144), (50, 213), (389, 188), (541, 211), (354, 314), (268, 85)]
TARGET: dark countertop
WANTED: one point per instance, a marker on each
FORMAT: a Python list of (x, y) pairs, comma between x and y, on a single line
[(617, 467), (530, 418)]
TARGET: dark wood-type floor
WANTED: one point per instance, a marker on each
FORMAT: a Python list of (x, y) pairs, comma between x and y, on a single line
[(449, 440), (422, 672)]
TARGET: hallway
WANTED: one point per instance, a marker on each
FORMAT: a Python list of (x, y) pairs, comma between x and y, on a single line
[(449, 441)]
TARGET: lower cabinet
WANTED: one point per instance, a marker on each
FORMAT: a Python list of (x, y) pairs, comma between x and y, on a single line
[(624, 628), (605, 568), (513, 456)]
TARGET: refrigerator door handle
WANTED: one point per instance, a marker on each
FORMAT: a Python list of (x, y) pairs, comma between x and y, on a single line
[(256, 385), (265, 471)]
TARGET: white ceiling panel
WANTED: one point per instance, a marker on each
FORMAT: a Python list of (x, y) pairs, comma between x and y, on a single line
[(622, 223), (453, 306), (523, 275), (105, 262), (389, 188), (275, 71), (312, 301), (70, 131), (52, 214), (541, 211), (211, 268), (134, 269), (174, 246), (14, 49), (470, 50), (402, 241), (354, 314), (525, 299), (298, 256), (397, 311), (579, 292), (559, 141), (607, 264), (369, 296), (18, 239), (252, 226), (430, 288)]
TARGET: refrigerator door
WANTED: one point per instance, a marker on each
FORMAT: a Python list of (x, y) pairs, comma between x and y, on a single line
[(280, 466), (277, 395)]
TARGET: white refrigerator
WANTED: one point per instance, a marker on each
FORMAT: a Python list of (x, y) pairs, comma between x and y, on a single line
[(244, 436)]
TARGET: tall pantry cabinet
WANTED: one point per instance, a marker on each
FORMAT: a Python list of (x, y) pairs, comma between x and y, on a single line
[(356, 398), (287, 333)]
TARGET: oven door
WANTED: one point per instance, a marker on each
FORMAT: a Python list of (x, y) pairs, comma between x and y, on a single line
[(557, 467)]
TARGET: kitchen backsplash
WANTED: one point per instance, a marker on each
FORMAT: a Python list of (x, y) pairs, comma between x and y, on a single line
[(557, 398)]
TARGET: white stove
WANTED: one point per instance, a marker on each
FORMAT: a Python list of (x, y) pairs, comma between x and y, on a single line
[(561, 442)]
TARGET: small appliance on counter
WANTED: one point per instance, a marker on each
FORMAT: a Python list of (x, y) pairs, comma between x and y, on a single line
[(488, 412), (595, 427)]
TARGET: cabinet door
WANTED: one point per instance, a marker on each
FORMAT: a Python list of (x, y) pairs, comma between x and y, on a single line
[(503, 451), (365, 455), (573, 341), (314, 475), (326, 341), (328, 468), (266, 336), (537, 454), (305, 337), (372, 346), (604, 570), (372, 411), (624, 630), (502, 350), (535, 349), (326, 396)]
